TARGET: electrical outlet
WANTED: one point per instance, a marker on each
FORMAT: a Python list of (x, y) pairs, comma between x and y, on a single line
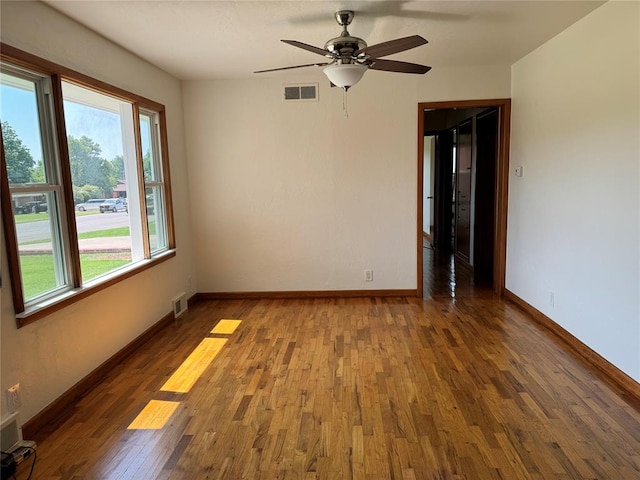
[(368, 275), (14, 398)]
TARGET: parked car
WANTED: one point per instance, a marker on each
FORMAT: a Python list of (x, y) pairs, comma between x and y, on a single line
[(37, 207), (93, 204), (31, 207), (20, 209), (113, 205)]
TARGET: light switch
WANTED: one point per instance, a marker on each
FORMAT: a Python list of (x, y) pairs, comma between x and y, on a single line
[(519, 171)]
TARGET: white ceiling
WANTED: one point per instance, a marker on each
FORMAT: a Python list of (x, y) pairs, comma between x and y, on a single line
[(231, 39)]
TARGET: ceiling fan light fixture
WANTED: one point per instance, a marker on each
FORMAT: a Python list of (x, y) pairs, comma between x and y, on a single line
[(345, 75)]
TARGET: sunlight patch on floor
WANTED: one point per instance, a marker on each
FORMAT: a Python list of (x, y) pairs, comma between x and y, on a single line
[(195, 364), (154, 416), (157, 413), (226, 327)]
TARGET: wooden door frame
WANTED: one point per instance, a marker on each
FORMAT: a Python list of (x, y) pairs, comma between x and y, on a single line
[(502, 183)]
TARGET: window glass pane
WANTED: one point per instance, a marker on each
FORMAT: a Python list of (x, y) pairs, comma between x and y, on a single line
[(21, 129), (154, 186), (38, 243), (150, 161), (102, 160), (155, 218)]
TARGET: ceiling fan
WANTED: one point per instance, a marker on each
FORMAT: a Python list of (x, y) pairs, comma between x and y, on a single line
[(349, 57)]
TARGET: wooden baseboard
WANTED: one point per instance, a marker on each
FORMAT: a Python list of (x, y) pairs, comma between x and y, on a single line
[(62, 407), (192, 300), (463, 263), (611, 373), (306, 294)]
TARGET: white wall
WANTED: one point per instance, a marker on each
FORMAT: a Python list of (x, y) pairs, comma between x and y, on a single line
[(294, 196), (573, 226), (52, 354), (427, 183)]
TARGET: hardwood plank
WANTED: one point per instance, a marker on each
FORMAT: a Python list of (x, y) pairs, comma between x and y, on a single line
[(51, 416), (226, 327), (194, 366), (626, 383), (354, 388)]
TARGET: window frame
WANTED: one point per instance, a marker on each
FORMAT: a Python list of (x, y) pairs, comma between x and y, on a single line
[(159, 148), (66, 224)]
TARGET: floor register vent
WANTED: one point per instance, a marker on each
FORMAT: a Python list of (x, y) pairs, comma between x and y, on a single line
[(180, 305), (307, 92)]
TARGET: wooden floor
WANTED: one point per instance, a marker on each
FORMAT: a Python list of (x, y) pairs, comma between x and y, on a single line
[(460, 385)]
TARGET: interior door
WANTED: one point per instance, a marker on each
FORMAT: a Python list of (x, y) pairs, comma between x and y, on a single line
[(443, 191), (485, 193)]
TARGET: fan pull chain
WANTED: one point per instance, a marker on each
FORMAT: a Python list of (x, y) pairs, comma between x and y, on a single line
[(345, 107)]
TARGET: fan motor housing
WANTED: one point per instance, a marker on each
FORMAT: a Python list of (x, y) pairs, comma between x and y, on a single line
[(345, 46)]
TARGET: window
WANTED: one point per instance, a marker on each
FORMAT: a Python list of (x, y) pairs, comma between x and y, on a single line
[(97, 134), (25, 114), (85, 190), (153, 179)]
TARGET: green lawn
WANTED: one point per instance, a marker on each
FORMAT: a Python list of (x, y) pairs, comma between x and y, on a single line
[(38, 271), (31, 217), (111, 232), (38, 275), (94, 265)]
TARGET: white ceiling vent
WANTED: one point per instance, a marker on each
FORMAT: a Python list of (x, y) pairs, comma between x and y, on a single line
[(305, 92)]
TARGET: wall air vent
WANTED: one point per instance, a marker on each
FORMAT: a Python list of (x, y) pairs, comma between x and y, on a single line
[(180, 305), (306, 92)]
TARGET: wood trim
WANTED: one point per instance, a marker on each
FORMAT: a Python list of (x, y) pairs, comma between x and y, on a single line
[(306, 294), (446, 104), (28, 317), (166, 180), (192, 300), (502, 199), (9, 226), (502, 182), (60, 128), (60, 409), (463, 263), (142, 201), (609, 372), (420, 186)]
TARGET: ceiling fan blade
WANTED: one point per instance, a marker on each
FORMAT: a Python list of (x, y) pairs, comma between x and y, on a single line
[(310, 48), (295, 66), (395, 66), (392, 46)]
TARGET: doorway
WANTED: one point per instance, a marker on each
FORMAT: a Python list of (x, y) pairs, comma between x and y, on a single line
[(469, 204)]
